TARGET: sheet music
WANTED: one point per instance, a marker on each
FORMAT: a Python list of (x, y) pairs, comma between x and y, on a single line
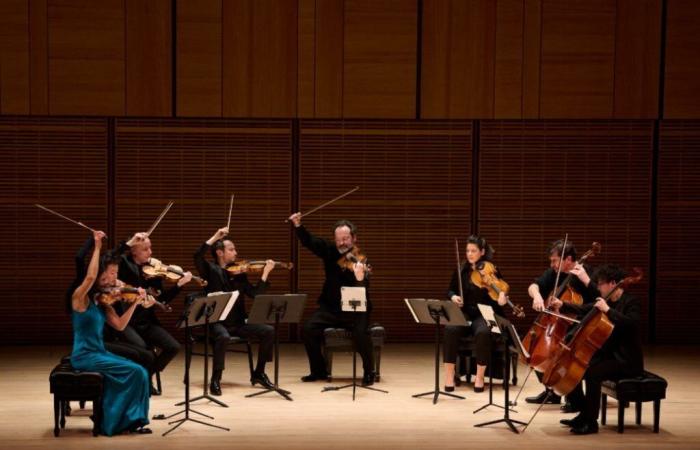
[(348, 294), (229, 304), (490, 317)]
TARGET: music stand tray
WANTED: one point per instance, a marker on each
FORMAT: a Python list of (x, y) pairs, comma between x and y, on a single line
[(276, 309), (438, 312)]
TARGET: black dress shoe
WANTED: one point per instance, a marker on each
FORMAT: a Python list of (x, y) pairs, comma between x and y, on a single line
[(478, 389), (576, 421), (449, 388), (215, 387), (313, 377), (552, 399), (368, 379), (154, 391), (262, 380), (585, 428), (569, 408)]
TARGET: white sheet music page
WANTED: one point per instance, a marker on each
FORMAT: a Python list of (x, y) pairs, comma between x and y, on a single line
[(490, 317)]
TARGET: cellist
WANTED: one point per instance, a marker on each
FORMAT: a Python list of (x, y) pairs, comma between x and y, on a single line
[(621, 355), (581, 283)]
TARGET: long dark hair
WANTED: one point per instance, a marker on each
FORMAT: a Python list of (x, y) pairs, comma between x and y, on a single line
[(481, 244)]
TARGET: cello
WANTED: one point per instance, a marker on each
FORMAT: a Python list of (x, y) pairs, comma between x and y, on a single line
[(570, 361), (550, 327)]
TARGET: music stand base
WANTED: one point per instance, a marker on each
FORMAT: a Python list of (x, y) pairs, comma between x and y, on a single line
[(354, 386), (281, 392), (437, 394), (204, 397), (509, 422), (185, 419)]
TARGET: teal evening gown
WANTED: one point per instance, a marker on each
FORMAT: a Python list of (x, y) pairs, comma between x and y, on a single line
[(126, 385)]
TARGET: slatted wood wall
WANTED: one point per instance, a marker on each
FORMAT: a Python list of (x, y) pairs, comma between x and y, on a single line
[(415, 179), (540, 180), (678, 227), (61, 164)]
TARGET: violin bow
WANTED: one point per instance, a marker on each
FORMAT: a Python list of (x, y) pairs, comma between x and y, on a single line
[(230, 209), (155, 224), (459, 271), (328, 202), (561, 262), (64, 217)]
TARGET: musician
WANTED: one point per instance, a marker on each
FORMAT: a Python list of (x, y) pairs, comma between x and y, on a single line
[(139, 355), (223, 251), (145, 331), (580, 282), (329, 313), (621, 355), (125, 394), (477, 250)]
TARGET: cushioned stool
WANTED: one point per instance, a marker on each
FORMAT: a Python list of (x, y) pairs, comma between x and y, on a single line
[(66, 384), (647, 387), (340, 340)]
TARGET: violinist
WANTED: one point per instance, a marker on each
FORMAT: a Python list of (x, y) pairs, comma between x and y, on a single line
[(477, 250), (145, 331), (581, 284), (621, 355), (125, 396), (338, 273), (219, 279)]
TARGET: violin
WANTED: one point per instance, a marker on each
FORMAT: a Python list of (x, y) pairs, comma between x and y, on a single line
[(573, 356), (254, 266), (155, 268), (485, 277), (350, 258), (549, 328), (130, 294)]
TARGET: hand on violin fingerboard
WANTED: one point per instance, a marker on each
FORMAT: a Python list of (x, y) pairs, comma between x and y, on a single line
[(186, 278)]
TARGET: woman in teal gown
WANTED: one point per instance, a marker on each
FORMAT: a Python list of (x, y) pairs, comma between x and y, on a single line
[(126, 385)]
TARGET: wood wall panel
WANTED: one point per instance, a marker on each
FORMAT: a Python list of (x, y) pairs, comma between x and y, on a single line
[(541, 179), (637, 57), (199, 58), (198, 164), (148, 58), (86, 57), (260, 58), (14, 57), (379, 59), (329, 54), (414, 199), (682, 76), (678, 209), (532, 44), (508, 71), (39, 57), (577, 59), (306, 59), (61, 164)]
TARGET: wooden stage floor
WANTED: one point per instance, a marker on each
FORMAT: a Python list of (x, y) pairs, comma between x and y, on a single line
[(332, 420)]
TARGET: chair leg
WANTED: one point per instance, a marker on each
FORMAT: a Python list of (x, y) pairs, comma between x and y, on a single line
[(158, 383), (638, 411), (57, 408), (620, 417), (62, 413), (603, 408), (96, 416), (378, 363), (329, 364), (82, 404), (657, 415), (250, 358)]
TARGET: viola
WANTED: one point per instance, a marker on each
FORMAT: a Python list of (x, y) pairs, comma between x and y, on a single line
[(350, 258), (570, 361), (254, 266), (550, 329), (130, 294), (155, 268), (486, 277)]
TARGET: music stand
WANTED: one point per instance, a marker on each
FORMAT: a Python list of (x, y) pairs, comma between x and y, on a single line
[(276, 309), (439, 312), (504, 328), (354, 300), (199, 313)]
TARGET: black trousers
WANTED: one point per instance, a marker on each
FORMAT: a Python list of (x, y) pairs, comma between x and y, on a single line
[(313, 337), (600, 369), (143, 357), (147, 336), (220, 335), (483, 341)]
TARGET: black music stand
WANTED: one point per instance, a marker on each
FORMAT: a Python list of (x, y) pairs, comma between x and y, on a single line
[(438, 312), (201, 312), (505, 328), (277, 309), (354, 300)]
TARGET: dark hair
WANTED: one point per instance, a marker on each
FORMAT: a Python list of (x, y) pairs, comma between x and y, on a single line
[(607, 273), (106, 260), (218, 245), (556, 249), (345, 223), (482, 245)]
